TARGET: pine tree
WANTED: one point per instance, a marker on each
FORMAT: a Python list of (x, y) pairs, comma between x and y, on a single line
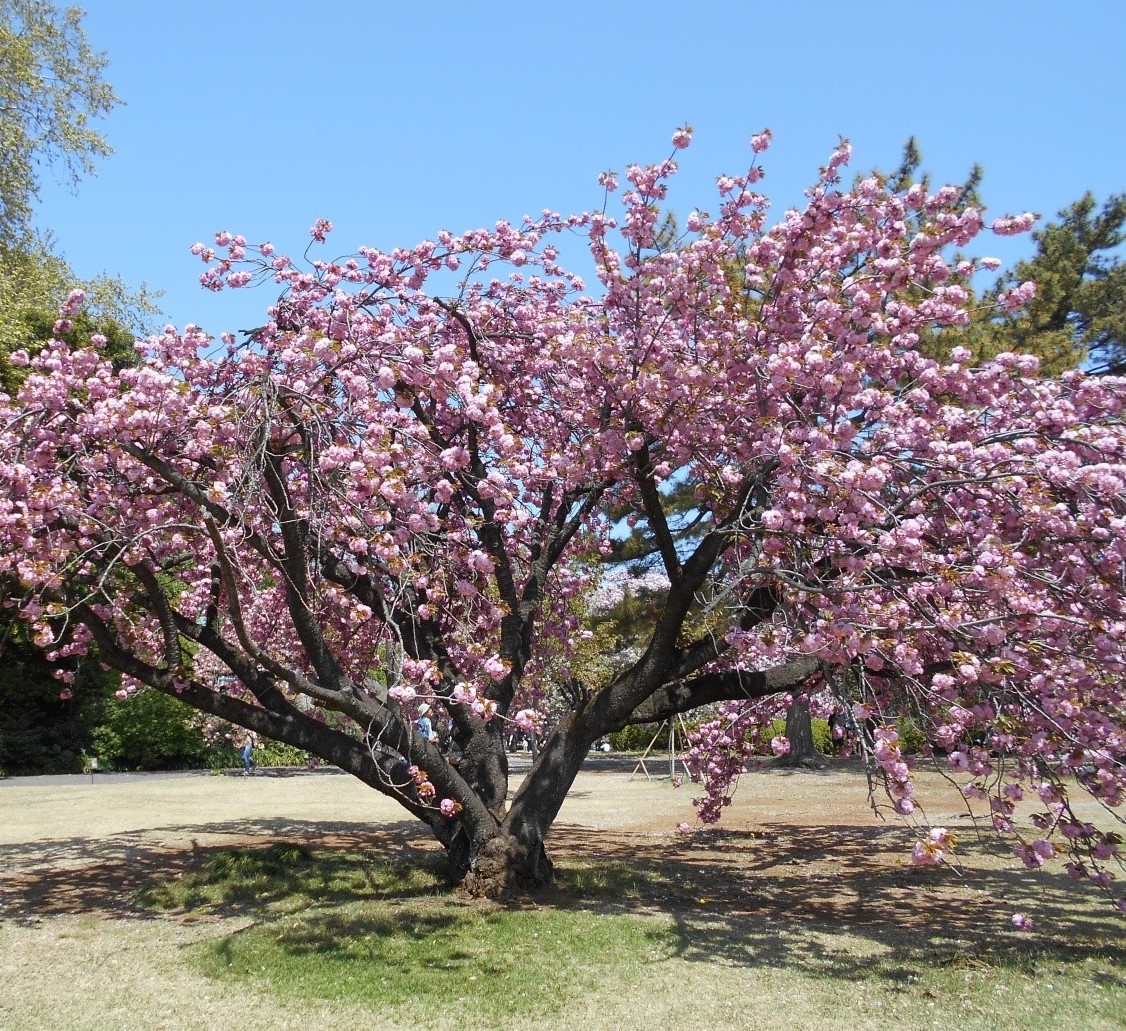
[(1079, 312)]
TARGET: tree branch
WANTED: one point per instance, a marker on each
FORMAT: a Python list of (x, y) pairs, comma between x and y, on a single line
[(733, 685)]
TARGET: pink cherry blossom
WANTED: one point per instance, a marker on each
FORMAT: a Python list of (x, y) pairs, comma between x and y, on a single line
[(403, 487)]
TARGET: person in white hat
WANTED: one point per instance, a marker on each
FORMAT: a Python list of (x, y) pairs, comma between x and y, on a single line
[(425, 726)]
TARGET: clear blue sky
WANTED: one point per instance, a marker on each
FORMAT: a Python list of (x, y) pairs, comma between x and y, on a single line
[(397, 119)]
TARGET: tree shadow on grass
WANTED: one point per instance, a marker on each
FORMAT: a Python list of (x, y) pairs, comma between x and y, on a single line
[(839, 901), (106, 876), (833, 899)]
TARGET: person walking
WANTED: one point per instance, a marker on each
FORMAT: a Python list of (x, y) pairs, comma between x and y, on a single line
[(245, 745)]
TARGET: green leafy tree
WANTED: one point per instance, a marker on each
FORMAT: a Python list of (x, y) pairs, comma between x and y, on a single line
[(150, 731), (41, 731), (33, 283), (51, 91), (1079, 311)]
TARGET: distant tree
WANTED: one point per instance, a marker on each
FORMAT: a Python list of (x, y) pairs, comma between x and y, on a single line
[(149, 732), (39, 732), (51, 90), (34, 283), (44, 729), (910, 170), (1079, 311)]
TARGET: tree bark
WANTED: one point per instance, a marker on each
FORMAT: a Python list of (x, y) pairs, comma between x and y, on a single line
[(505, 866), (803, 752)]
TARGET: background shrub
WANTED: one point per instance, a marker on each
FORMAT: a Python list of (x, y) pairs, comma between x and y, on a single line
[(149, 731), (822, 736), (277, 753), (222, 755), (39, 731), (637, 737), (911, 738)]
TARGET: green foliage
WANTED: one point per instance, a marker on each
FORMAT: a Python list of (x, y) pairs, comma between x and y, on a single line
[(277, 753), (911, 738), (1080, 305), (622, 629), (223, 755), (39, 731), (822, 736), (681, 508), (31, 280), (910, 170), (33, 283), (150, 731), (1079, 311), (51, 90), (638, 736)]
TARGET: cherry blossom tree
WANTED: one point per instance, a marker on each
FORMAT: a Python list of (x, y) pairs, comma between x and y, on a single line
[(396, 490)]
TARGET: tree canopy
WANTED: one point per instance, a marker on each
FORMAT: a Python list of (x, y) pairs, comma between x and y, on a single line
[(34, 282), (1076, 316), (51, 89), (396, 489), (1079, 310)]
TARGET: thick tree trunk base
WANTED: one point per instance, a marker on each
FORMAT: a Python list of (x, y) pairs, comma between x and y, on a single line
[(802, 762), (803, 754), (504, 867)]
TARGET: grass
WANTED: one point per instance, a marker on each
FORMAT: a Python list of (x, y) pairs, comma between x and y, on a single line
[(353, 929), (197, 904), (442, 952), (291, 876)]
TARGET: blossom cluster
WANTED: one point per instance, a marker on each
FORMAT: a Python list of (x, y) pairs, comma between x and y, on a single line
[(935, 848)]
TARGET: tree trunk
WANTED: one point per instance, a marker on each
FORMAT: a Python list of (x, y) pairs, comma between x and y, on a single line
[(504, 866), (799, 731), (484, 766)]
